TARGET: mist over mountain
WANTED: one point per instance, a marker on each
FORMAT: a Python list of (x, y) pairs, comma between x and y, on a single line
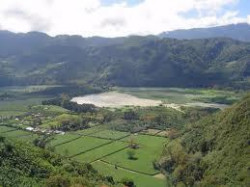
[(239, 31)]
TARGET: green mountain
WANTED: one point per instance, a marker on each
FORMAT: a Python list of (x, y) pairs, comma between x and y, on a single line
[(36, 58), (239, 32), (212, 152)]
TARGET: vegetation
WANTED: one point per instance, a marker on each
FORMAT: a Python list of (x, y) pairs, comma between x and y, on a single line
[(133, 61), (213, 151), (113, 140), (25, 165)]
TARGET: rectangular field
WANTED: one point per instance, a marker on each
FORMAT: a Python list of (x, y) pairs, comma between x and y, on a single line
[(16, 133), (60, 139), (5, 129), (90, 131), (150, 148), (100, 152), (79, 145), (28, 139), (118, 174), (109, 134)]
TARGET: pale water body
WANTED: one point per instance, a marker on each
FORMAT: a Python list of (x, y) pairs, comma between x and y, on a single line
[(116, 100)]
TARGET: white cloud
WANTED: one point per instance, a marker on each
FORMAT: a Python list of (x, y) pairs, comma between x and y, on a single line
[(90, 17)]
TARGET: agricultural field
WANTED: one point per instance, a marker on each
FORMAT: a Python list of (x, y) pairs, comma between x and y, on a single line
[(90, 131), (101, 152), (149, 150), (183, 95), (80, 145), (61, 139), (109, 134), (16, 133), (4, 129), (140, 180)]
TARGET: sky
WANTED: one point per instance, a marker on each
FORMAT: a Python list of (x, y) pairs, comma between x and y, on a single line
[(113, 18)]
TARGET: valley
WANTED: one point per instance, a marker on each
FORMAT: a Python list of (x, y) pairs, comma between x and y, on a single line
[(169, 109), (123, 137)]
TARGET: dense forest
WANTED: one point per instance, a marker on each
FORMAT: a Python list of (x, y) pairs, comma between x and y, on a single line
[(213, 151), (36, 58)]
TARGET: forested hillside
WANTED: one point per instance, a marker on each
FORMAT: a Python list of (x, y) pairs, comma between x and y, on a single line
[(36, 58), (212, 152), (25, 165)]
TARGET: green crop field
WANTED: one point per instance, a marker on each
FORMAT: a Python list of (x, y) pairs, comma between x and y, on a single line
[(109, 134), (16, 133), (182, 95), (149, 150), (118, 174), (7, 113), (80, 145), (27, 138), (91, 130), (5, 129), (100, 152), (60, 139), (49, 109)]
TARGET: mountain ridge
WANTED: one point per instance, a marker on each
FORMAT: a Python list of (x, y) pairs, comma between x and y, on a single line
[(36, 58), (240, 31)]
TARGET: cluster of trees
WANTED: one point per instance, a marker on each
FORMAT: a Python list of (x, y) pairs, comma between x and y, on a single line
[(25, 165), (72, 106)]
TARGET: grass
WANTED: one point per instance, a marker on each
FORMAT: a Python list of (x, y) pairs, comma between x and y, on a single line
[(5, 129), (16, 133), (118, 174), (27, 138), (60, 139), (80, 145), (91, 130), (17, 106), (179, 95), (150, 148), (100, 152), (11, 113), (49, 109), (109, 134)]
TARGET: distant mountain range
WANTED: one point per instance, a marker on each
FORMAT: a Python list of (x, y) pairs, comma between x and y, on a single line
[(36, 58), (235, 31)]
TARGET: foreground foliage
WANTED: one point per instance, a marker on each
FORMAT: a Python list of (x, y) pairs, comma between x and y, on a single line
[(25, 165)]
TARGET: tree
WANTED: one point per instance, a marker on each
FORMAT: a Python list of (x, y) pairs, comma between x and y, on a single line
[(131, 154), (128, 182)]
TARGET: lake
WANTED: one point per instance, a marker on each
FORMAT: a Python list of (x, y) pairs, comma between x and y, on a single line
[(116, 100)]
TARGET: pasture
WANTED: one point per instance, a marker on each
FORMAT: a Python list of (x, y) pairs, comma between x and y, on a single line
[(60, 139), (100, 152), (4, 129), (90, 131), (182, 95), (109, 134), (79, 145), (140, 180), (149, 150), (16, 133)]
